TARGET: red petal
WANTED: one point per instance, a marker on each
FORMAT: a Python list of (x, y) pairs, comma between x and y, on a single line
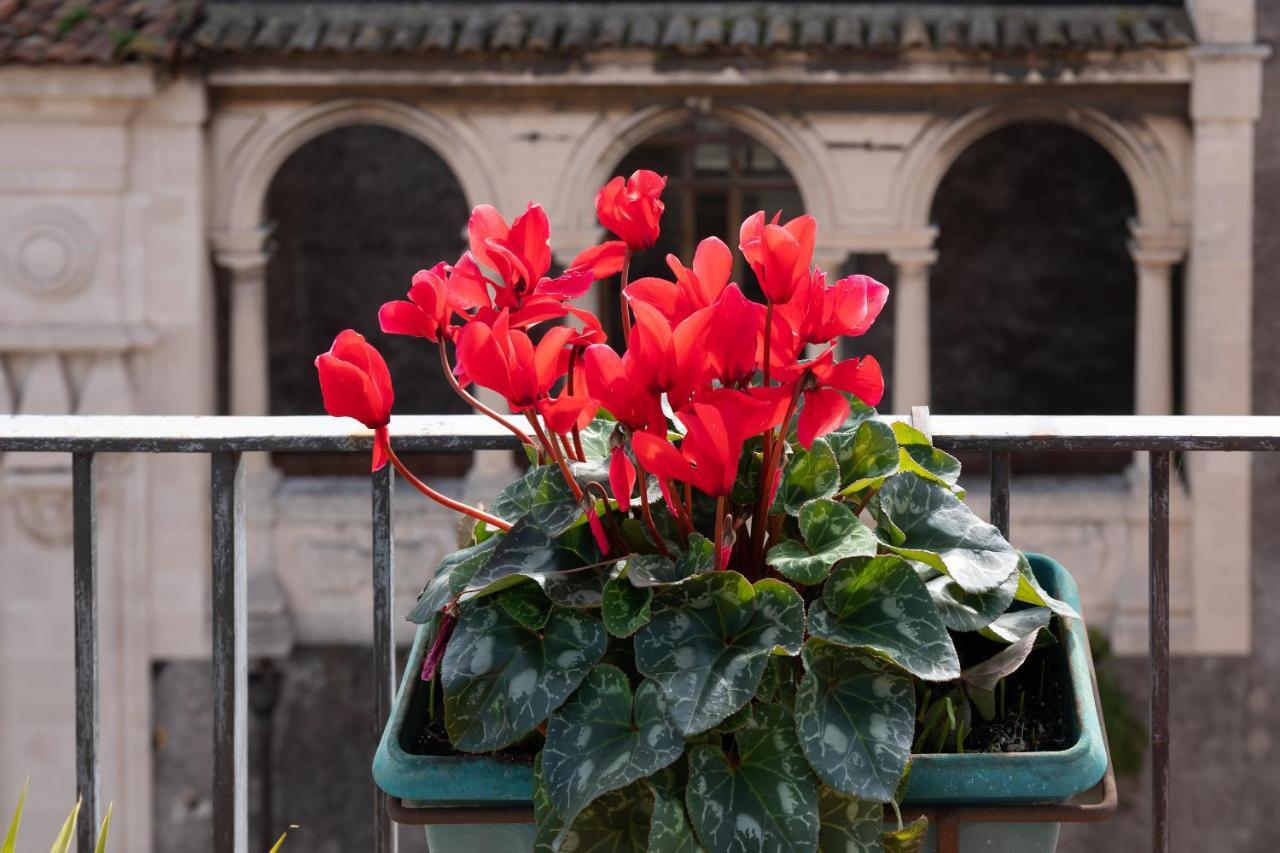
[(405, 318), (482, 360), (381, 448), (659, 457), (712, 264), (485, 224), (530, 239), (658, 292), (603, 260), (622, 478), (824, 410), (597, 529), (347, 390), (860, 377)]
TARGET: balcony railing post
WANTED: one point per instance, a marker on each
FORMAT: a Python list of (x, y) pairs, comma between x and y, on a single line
[(230, 658), (1158, 555), (85, 583), (384, 649), (1001, 469)]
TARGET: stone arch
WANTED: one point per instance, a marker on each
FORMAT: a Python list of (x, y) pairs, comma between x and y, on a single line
[(258, 158), (1146, 164), (609, 140)]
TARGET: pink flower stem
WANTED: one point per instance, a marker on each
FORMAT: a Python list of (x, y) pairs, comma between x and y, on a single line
[(768, 465), (550, 447), (622, 296), (648, 516), (474, 403), (574, 354), (720, 513), (457, 506)]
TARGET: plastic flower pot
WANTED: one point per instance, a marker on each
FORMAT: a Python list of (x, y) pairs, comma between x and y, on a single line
[(937, 780)]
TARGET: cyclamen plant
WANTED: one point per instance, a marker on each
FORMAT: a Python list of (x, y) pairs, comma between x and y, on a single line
[(679, 607)]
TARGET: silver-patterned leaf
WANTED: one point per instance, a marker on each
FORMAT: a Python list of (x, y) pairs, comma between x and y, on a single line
[(671, 831), (881, 604), (925, 522), (501, 679), (855, 714), (543, 496), (617, 822), (548, 824), (1016, 624), (602, 739), (810, 474), (831, 533), (969, 611), (526, 550), (765, 800), (866, 455), (657, 570), (849, 825), (625, 608), (709, 639), (451, 578)]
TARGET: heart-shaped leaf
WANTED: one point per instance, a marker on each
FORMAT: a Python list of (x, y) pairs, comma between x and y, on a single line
[(526, 550), (866, 455), (1016, 624), (918, 456), (501, 679), (909, 839), (881, 604), (855, 714), (541, 495), (595, 438), (1030, 591), (923, 521), (832, 533), (549, 824), (810, 474), (602, 740), (709, 639), (624, 608), (526, 603), (849, 825), (452, 577), (969, 611), (656, 570), (617, 822), (764, 799), (671, 831)]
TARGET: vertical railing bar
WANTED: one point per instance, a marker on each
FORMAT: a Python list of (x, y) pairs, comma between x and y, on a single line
[(384, 649), (1158, 555), (1001, 470), (85, 584), (230, 658)]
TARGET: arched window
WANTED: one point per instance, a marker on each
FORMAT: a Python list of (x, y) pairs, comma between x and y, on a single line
[(717, 175), (1032, 306), (355, 212)]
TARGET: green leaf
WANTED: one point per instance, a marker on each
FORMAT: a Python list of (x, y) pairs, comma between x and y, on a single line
[(501, 680), (866, 455), (548, 824), (526, 603), (848, 824), (882, 605), (809, 474), (603, 740), (832, 533), (970, 611), (918, 456), (101, 846), (11, 837), (778, 684), (909, 839), (541, 495), (525, 551), (617, 822), (709, 640), (1016, 624), (656, 570), (595, 438), (986, 675), (62, 843), (765, 800), (1030, 591), (451, 578), (670, 831), (625, 608), (855, 714), (746, 486), (925, 522)]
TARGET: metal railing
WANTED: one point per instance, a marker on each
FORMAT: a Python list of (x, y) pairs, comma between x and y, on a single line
[(225, 439)]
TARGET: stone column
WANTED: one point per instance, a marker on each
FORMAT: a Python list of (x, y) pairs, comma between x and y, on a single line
[(1225, 104), (244, 256), (1154, 253), (911, 328)]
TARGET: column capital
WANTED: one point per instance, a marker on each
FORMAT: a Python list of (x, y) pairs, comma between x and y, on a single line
[(245, 253), (1157, 246), (913, 258)]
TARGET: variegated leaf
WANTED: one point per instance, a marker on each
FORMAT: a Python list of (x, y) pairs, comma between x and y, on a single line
[(548, 823), (451, 578), (831, 533), (617, 822), (855, 714), (849, 825), (656, 570), (671, 831), (543, 496), (1016, 624), (969, 611), (810, 474), (881, 604), (923, 521), (625, 608), (709, 639), (866, 456), (501, 679), (602, 740), (918, 456), (764, 800)]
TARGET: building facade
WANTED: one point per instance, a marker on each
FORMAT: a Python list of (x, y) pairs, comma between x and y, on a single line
[(1059, 195)]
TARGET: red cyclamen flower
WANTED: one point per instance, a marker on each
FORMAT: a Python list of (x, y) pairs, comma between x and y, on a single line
[(505, 360), (825, 408), (355, 383), (818, 313), (780, 255), (694, 288), (631, 208)]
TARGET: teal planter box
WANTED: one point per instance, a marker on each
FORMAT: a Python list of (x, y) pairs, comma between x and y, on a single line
[(936, 780)]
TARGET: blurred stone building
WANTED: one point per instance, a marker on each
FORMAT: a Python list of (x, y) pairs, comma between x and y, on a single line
[(195, 195)]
